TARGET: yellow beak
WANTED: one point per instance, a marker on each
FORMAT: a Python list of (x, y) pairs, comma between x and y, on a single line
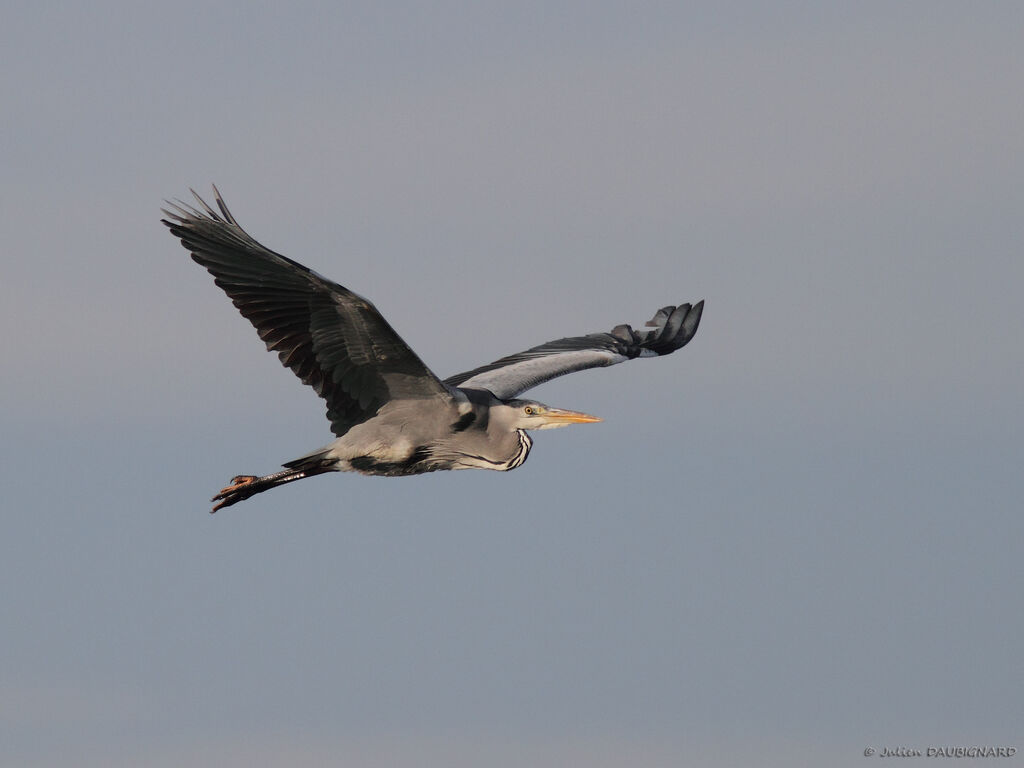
[(560, 416)]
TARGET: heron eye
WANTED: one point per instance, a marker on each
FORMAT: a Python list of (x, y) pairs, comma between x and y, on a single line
[(528, 410)]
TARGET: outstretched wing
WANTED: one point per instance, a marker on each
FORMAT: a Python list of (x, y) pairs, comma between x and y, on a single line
[(669, 329), (334, 340)]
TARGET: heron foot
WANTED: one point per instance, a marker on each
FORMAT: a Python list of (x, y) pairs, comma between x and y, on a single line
[(238, 482)]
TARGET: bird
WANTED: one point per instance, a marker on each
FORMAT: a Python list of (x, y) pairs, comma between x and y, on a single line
[(389, 413)]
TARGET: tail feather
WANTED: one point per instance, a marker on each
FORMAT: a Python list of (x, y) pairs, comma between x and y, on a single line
[(244, 486)]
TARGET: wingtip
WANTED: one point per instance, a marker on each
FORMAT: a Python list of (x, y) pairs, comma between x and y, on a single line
[(698, 310), (691, 322), (224, 207), (673, 327), (180, 211)]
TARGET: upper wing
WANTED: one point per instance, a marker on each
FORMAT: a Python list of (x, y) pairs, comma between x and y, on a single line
[(669, 329), (335, 341)]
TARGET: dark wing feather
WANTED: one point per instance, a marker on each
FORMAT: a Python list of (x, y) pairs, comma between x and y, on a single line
[(334, 340), (670, 329)]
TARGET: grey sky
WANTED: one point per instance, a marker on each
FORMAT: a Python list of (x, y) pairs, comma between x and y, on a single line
[(798, 537)]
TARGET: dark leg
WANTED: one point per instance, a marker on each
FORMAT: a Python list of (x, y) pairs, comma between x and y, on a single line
[(244, 486)]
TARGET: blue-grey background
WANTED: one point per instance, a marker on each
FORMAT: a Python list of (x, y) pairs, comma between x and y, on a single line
[(796, 538)]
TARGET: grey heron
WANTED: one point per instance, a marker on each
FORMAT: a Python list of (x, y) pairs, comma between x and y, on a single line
[(388, 411)]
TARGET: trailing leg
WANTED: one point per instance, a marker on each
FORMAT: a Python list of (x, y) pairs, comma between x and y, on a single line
[(244, 486)]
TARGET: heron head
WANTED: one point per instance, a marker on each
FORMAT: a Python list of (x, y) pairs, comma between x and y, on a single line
[(529, 414)]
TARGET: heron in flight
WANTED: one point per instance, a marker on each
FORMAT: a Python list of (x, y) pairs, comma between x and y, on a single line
[(388, 411)]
